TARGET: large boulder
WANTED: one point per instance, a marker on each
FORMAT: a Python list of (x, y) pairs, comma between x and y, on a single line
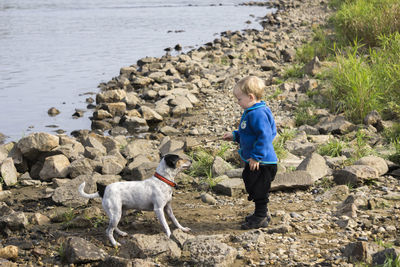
[(292, 180), (79, 251), (55, 167), (31, 146), (315, 165), (354, 174), (376, 162)]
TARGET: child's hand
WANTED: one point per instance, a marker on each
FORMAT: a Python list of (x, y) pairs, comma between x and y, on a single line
[(254, 165), (228, 136)]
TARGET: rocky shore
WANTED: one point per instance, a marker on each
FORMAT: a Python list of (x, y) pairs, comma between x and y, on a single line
[(324, 212)]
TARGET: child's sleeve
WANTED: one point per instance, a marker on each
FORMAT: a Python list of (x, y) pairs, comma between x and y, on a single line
[(236, 136)]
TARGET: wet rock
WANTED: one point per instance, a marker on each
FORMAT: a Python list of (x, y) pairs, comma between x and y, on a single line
[(79, 251), (53, 111)]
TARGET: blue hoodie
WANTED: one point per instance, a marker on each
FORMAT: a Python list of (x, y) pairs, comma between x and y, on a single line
[(256, 132)]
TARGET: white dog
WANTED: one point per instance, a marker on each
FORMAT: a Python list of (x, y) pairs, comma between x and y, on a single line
[(154, 193)]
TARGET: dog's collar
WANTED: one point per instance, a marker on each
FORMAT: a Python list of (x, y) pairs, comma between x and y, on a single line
[(165, 180)]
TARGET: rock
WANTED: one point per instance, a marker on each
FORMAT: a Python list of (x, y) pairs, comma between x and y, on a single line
[(55, 167), (143, 246), (168, 130), (381, 257), (292, 180), (139, 171), (9, 253), (110, 96), (207, 251), (114, 261), (234, 173), (336, 193), (169, 145), (82, 166), (40, 219), (268, 65), (150, 115), (229, 187), (334, 125), (134, 124), (5, 195), (207, 198), (78, 251), (312, 67), (111, 165), (14, 221), (376, 162), (53, 111), (31, 146), (360, 251), (354, 174), (68, 195), (373, 118), (141, 147), (8, 172), (315, 165), (220, 166), (299, 148)]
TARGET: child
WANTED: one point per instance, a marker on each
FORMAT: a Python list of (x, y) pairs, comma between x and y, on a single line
[(255, 135)]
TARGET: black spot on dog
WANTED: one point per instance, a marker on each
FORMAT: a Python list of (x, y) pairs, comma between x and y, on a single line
[(171, 160), (100, 189)]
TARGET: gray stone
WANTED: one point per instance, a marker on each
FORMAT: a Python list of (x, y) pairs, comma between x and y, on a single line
[(55, 167), (220, 166), (135, 124), (360, 251), (67, 194), (137, 172), (80, 166), (79, 251), (376, 162), (234, 173), (14, 221), (110, 96), (31, 146), (292, 180), (150, 115), (229, 187), (334, 125), (379, 258), (8, 172), (169, 145), (111, 165), (354, 174), (207, 198), (143, 246), (207, 251), (315, 165)]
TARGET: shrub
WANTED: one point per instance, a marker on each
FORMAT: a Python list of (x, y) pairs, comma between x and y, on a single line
[(365, 20)]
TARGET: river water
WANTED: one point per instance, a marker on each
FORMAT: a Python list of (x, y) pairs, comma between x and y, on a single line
[(54, 53)]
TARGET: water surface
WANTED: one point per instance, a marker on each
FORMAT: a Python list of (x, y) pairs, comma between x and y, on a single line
[(54, 52)]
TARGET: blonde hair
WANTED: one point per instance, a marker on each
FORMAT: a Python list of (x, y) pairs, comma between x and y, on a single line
[(251, 85)]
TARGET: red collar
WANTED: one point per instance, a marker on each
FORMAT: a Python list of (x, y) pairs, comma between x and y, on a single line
[(165, 180)]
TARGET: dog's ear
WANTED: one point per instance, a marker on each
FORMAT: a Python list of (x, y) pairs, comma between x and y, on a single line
[(171, 160)]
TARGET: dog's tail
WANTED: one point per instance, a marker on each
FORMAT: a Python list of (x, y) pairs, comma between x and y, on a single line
[(82, 192)]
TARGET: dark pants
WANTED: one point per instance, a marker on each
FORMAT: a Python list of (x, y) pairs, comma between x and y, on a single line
[(258, 183)]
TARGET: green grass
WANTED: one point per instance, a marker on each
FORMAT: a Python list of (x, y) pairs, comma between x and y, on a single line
[(354, 90), (294, 71), (321, 46), (304, 114), (279, 142), (396, 156), (365, 20), (333, 148)]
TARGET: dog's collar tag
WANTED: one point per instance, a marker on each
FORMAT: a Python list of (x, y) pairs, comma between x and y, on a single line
[(165, 180)]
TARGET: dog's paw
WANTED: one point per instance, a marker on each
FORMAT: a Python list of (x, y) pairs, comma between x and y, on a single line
[(186, 229), (116, 245)]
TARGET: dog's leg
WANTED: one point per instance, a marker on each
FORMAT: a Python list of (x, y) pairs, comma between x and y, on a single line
[(161, 218), (121, 233), (114, 212), (168, 210)]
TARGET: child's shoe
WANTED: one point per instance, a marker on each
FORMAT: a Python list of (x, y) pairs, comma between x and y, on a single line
[(254, 222), (249, 217)]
